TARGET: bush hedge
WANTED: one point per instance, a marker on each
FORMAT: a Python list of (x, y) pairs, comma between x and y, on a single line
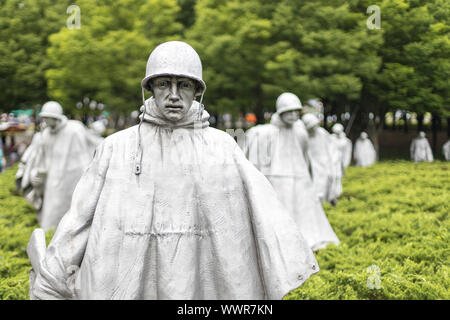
[(392, 221)]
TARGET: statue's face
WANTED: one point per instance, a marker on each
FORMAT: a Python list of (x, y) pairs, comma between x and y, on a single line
[(311, 130), (290, 117), (173, 96), (51, 122)]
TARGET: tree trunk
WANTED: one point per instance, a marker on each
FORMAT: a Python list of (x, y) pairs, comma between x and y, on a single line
[(383, 120), (434, 122), (393, 121), (259, 105), (405, 122), (420, 122), (325, 115), (448, 127)]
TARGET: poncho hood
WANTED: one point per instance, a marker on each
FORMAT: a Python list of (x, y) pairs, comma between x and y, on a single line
[(153, 115), (276, 121)]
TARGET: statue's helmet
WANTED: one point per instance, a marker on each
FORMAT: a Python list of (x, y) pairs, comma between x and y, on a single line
[(337, 128), (51, 109), (310, 121), (364, 135), (422, 134), (98, 127), (287, 102), (174, 58)]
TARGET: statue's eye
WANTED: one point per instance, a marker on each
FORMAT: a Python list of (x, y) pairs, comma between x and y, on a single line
[(187, 85), (163, 84)]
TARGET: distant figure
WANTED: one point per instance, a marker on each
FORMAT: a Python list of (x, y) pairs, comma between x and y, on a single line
[(344, 145), (420, 149), (325, 160), (96, 131), (446, 150), (364, 152), (2, 157), (63, 155), (280, 151)]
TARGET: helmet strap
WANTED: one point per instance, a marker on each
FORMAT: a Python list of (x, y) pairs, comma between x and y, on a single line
[(138, 159), (201, 108)]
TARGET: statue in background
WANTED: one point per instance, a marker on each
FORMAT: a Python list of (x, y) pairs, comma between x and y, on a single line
[(33, 194), (58, 158), (364, 152), (446, 150), (344, 145), (325, 161), (96, 131), (280, 151), (420, 149)]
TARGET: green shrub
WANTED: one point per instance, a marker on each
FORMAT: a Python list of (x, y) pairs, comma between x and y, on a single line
[(392, 221), (17, 221)]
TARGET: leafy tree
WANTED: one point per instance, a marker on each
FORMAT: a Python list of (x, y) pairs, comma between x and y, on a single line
[(24, 30), (415, 71), (105, 59), (255, 50), (232, 40)]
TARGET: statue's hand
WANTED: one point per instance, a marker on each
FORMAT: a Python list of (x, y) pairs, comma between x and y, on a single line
[(37, 178), (37, 181)]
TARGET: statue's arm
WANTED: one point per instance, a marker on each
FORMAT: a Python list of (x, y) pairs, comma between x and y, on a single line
[(305, 149), (65, 253)]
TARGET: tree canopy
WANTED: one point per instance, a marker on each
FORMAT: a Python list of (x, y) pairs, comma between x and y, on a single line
[(252, 50)]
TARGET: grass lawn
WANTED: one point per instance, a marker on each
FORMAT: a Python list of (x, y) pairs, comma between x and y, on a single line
[(392, 221)]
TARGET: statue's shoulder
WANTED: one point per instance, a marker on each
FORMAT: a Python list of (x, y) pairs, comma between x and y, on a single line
[(75, 125), (262, 129), (219, 135), (323, 131), (122, 136)]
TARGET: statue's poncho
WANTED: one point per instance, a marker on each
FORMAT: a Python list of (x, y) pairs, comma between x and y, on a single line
[(325, 164), (344, 145), (446, 150), (198, 222), (28, 161), (420, 150), (364, 153), (94, 139), (280, 153), (64, 157)]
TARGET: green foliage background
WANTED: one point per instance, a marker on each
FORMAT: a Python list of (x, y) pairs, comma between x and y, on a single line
[(393, 215), (252, 50)]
